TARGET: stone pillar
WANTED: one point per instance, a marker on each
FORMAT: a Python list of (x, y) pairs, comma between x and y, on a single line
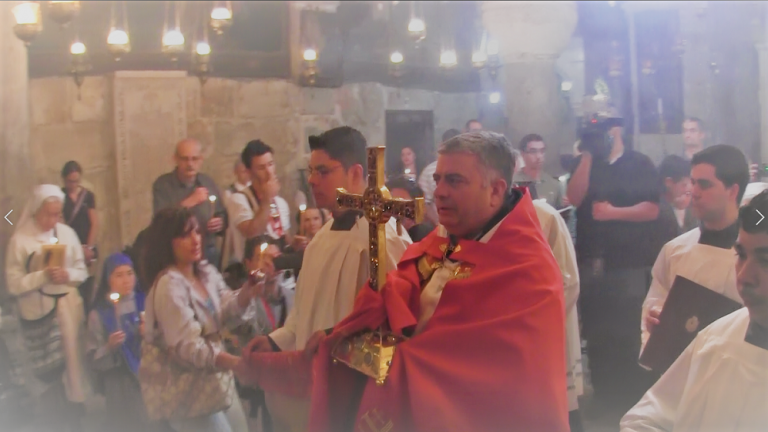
[(531, 36), (16, 174)]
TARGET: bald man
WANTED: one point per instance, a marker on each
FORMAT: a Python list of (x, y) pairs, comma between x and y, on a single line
[(187, 187)]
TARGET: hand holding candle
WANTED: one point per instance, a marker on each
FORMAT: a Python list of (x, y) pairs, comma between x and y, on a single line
[(212, 199), (302, 209), (115, 298)]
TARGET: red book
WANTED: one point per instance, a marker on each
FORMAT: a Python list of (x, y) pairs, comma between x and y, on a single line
[(689, 308)]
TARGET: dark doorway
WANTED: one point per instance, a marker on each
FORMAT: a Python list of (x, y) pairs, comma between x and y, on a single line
[(414, 129)]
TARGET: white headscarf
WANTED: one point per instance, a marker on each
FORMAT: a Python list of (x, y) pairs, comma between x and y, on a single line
[(39, 195)]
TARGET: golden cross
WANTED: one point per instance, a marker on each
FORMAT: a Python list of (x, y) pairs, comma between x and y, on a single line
[(378, 206)]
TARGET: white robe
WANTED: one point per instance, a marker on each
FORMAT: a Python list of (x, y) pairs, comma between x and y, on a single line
[(31, 304), (709, 266), (334, 269), (559, 239), (719, 383)]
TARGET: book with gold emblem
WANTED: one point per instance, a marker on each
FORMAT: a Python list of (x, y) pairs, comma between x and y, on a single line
[(689, 308)]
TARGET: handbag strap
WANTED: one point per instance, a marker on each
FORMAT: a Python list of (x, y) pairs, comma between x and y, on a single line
[(78, 205)]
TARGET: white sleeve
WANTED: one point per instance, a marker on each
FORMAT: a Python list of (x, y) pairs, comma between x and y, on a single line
[(75, 259), (240, 210), (565, 255), (285, 213), (427, 184), (396, 246), (19, 281), (657, 410), (657, 293), (285, 336)]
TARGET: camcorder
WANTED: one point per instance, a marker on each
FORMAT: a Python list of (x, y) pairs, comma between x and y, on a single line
[(594, 137)]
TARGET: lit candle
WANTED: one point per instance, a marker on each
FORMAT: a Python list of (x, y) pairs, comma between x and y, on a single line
[(212, 199), (115, 297), (302, 208), (407, 171), (263, 248), (54, 240)]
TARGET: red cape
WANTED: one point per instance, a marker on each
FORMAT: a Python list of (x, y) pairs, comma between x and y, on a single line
[(490, 359)]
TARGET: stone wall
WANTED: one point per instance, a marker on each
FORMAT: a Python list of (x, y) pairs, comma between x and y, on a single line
[(224, 115)]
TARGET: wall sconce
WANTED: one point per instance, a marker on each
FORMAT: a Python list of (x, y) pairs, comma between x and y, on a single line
[(310, 66), (29, 22), (79, 64), (118, 41), (173, 39), (63, 12), (417, 29), (221, 16), (202, 61), (448, 58), (395, 65)]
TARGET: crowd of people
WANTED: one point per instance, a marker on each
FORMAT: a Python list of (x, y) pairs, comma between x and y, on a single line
[(171, 330)]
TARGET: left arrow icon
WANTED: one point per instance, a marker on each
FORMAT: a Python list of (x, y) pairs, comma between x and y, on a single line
[(6, 217)]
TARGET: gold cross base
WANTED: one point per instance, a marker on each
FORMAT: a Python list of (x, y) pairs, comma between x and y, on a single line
[(369, 353)]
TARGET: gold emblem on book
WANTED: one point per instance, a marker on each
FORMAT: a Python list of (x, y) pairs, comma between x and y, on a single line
[(371, 352), (692, 324)]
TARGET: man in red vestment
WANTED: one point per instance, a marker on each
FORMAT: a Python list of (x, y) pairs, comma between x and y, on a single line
[(481, 303)]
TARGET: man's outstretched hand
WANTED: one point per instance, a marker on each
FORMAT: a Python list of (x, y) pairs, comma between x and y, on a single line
[(314, 343), (258, 344)]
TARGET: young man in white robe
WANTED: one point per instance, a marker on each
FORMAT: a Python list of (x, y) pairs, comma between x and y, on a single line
[(720, 382), (703, 255), (335, 264), (559, 239), (33, 284)]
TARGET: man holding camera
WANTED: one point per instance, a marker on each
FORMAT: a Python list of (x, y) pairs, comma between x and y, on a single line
[(616, 192)]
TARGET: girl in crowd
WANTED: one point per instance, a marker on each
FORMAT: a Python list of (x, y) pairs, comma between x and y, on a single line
[(114, 343), (80, 209), (44, 266), (310, 221), (187, 307), (408, 164)]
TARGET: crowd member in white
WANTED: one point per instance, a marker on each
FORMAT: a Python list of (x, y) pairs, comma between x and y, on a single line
[(703, 255), (427, 183), (40, 291), (234, 241), (335, 264), (257, 210), (559, 239), (720, 382)]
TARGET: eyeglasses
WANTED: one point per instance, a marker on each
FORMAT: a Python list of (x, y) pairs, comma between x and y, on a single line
[(322, 170)]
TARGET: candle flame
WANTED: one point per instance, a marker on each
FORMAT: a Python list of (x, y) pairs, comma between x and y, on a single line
[(302, 207), (114, 297), (212, 198), (407, 170), (264, 246), (54, 240)]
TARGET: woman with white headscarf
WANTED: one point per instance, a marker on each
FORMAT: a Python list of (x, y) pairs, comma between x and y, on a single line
[(49, 309)]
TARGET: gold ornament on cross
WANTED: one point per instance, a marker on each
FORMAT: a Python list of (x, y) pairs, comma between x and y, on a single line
[(371, 352)]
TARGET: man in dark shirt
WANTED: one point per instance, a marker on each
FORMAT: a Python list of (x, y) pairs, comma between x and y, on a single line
[(187, 187), (616, 196)]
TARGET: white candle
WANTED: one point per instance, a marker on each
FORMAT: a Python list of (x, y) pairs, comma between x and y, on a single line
[(302, 208), (212, 199), (115, 297), (263, 248)]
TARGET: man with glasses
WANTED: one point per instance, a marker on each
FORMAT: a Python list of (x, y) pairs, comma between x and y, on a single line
[(188, 187), (531, 174), (335, 264)]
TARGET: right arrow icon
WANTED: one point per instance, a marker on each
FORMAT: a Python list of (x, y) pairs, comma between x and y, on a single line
[(761, 217)]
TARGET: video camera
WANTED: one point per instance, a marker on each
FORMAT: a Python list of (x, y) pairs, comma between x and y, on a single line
[(593, 134)]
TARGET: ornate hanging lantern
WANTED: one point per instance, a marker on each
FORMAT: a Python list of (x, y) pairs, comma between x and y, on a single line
[(118, 41), (221, 16), (63, 12), (29, 22)]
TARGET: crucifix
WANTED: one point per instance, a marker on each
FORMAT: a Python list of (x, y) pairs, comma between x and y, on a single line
[(371, 352)]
